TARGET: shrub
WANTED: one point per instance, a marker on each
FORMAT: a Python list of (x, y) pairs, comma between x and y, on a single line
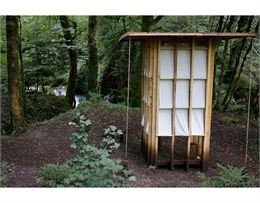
[(53, 175), (113, 132), (229, 177), (92, 167)]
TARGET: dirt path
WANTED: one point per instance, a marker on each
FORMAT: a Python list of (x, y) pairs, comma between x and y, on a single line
[(50, 143)]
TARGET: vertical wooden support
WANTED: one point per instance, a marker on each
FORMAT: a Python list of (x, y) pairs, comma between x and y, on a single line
[(154, 141), (190, 102), (145, 105), (209, 89), (174, 107), (147, 98), (156, 80), (142, 92), (152, 96)]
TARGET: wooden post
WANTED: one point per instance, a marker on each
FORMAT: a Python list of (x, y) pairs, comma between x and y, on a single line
[(142, 92), (156, 97), (151, 104), (174, 107), (190, 102), (209, 88)]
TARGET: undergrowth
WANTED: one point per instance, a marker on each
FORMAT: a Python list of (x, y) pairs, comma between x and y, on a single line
[(95, 100), (229, 177), (92, 167)]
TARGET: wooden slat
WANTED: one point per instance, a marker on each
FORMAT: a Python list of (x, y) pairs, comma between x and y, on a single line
[(153, 104), (145, 105), (150, 61), (157, 98), (218, 35), (190, 102), (142, 92), (174, 109), (209, 89)]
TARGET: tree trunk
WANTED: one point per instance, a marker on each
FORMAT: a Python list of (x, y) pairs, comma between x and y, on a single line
[(240, 69), (92, 54), (15, 74), (222, 67), (244, 24), (72, 81), (147, 23)]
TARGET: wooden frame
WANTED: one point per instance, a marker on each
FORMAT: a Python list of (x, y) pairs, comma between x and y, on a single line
[(150, 104)]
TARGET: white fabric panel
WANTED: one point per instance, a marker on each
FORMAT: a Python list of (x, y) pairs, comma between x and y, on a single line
[(183, 60), (165, 122), (182, 94), (200, 64), (149, 73), (166, 94), (181, 124), (147, 127), (166, 70), (142, 122), (197, 122), (198, 94)]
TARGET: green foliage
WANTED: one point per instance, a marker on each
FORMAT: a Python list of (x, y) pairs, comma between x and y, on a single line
[(92, 167), (113, 131), (230, 119), (40, 107), (229, 177), (5, 169), (109, 144), (95, 99), (53, 175)]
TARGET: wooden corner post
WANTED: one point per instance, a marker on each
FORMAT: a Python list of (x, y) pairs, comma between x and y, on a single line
[(209, 89)]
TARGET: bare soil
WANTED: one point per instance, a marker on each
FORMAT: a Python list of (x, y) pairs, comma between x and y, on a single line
[(49, 142)]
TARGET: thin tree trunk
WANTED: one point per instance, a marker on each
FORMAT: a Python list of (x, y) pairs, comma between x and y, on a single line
[(92, 54), (147, 23), (15, 83), (222, 67), (72, 81), (240, 69), (236, 53)]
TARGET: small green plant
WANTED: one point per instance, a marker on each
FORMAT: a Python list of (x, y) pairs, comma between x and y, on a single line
[(230, 120), (5, 169), (92, 167), (2, 174), (53, 175), (229, 177), (109, 144), (115, 133)]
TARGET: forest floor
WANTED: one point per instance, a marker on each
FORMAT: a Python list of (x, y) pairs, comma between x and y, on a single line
[(49, 142)]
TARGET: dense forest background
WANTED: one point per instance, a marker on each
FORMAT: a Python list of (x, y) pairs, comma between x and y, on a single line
[(83, 55)]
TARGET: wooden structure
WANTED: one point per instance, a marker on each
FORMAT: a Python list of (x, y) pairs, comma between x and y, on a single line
[(177, 83)]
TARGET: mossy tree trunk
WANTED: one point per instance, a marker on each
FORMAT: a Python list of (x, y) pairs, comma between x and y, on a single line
[(92, 54), (69, 41), (15, 74)]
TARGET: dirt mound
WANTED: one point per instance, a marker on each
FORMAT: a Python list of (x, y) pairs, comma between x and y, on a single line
[(50, 143)]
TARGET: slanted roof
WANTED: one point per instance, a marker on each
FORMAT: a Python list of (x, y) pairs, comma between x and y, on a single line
[(217, 35)]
